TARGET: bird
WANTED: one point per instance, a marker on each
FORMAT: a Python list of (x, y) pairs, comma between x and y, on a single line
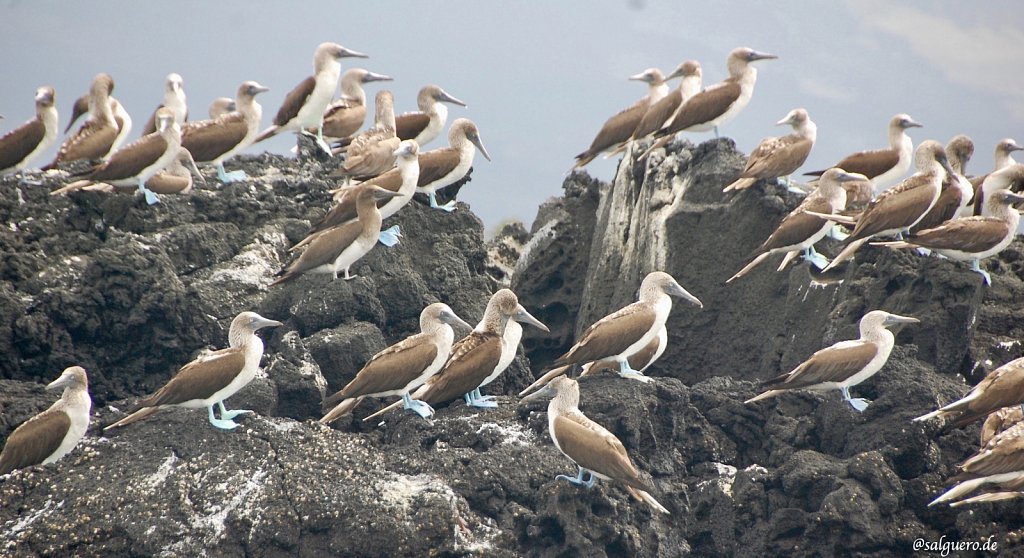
[(344, 116), (402, 367), (443, 167), (998, 421), (596, 452), (53, 433), (620, 334), (899, 208), (884, 167), (719, 103), (338, 248), (121, 118), (1001, 388), (972, 238), (213, 377), (800, 230), (998, 467), (174, 99), (96, 136), (1003, 159), (428, 122), (216, 140), (20, 146), (844, 364), (140, 160), (303, 107), (475, 358), (957, 193), (779, 157), (619, 128), (175, 179), (371, 153), (221, 106), (659, 112), (401, 180)]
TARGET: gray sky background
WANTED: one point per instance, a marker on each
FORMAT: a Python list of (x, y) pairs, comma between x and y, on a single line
[(541, 77)]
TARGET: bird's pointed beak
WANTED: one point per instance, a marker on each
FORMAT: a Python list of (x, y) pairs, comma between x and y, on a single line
[(384, 194), (784, 121), (446, 98), (1016, 147), (675, 289), (480, 146), (642, 76), (349, 53), (524, 317), (843, 176), (893, 319), (754, 56), (371, 76), (1014, 198), (545, 392), (260, 89), (59, 382), (451, 318), (261, 322), (913, 124)]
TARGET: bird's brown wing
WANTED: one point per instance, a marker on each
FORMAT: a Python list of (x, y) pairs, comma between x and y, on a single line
[(200, 378), (390, 369), (34, 441), (473, 358), (410, 124), (970, 234), (593, 447), (833, 364), (19, 142), (209, 139), (131, 160), (610, 335), (294, 101)]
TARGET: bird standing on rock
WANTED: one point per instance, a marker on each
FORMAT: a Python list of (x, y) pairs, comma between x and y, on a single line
[(345, 116), (427, 123), (779, 157), (218, 139), (26, 142), (446, 166), (884, 167)]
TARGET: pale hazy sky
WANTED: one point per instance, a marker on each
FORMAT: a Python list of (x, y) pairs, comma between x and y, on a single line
[(541, 77)]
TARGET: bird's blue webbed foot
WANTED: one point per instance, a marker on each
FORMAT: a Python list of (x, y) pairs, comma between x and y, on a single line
[(976, 267), (322, 143), (626, 371), (474, 399), (223, 424), (228, 415), (449, 207), (858, 403), (578, 479), (421, 408), (229, 177), (151, 197), (837, 233), (24, 179), (389, 237), (817, 260)]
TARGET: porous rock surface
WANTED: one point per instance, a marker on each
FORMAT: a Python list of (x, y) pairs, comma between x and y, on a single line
[(132, 292)]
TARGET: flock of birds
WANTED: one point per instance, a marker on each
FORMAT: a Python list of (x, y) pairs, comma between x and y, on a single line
[(937, 208)]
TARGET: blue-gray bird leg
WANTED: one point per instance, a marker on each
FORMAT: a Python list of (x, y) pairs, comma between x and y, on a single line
[(474, 399), (419, 407), (976, 267), (450, 206), (626, 371), (816, 259), (151, 197), (857, 403), (578, 479), (389, 237), (228, 415), (223, 424), (229, 177)]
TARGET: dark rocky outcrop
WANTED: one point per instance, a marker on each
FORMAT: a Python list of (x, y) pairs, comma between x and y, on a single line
[(131, 292)]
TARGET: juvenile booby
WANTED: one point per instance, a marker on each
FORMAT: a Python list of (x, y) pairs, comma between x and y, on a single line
[(972, 238), (175, 179), (659, 112), (23, 144), (345, 116), (221, 106), (402, 367), (53, 433), (303, 107), (210, 379), (217, 140), (998, 467), (1002, 387), (401, 180), (446, 166), (844, 364), (779, 157), (1003, 159), (595, 450), (96, 137), (620, 334), (174, 99), (957, 194), (371, 153), (427, 123), (899, 208), (719, 103), (884, 167), (637, 361), (121, 118), (337, 249), (619, 128), (799, 231)]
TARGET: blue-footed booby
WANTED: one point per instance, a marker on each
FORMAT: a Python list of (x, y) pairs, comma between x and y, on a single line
[(401, 180), (174, 99), (998, 467), (844, 364), (972, 238), (620, 334), (448, 165), (96, 137), (175, 179), (345, 116), (402, 367), (619, 128), (719, 103), (337, 249), (779, 157), (476, 358), (303, 107), (1002, 387), (659, 112), (221, 106), (53, 433), (210, 379), (371, 153), (140, 160), (121, 118), (23, 144), (595, 450), (899, 208), (214, 141), (1003, 158), (884, 167), (957, 193), (427, 123), (799, 231)]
